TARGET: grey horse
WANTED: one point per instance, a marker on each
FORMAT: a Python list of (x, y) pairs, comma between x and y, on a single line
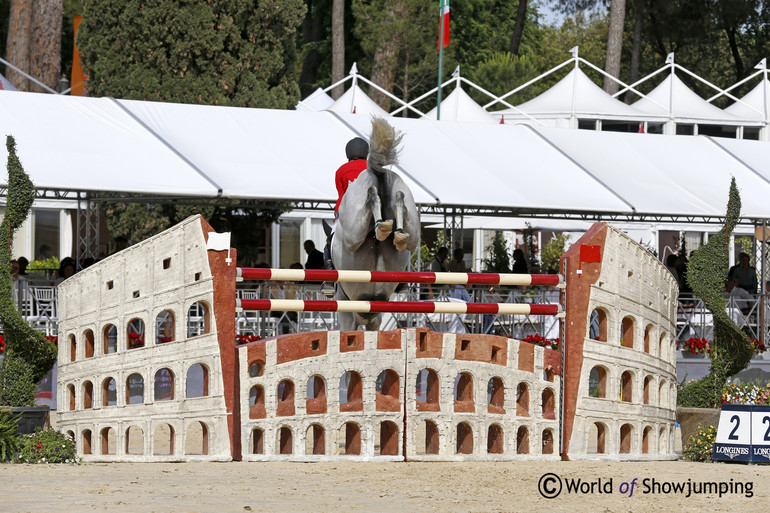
[(378, 227)]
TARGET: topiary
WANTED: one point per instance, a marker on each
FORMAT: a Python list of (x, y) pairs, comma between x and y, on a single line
[(9, 440), (17, 388), (21, 341), (732, 349)]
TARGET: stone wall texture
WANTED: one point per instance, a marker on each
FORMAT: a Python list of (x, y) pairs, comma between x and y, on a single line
[(149, 370)]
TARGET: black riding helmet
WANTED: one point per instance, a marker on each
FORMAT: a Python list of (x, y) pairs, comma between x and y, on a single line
[(357, 149)]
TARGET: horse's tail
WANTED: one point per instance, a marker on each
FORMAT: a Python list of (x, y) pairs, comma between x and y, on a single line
[(383, 145)]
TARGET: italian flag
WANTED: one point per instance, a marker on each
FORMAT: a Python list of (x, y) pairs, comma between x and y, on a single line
[(443, 22)]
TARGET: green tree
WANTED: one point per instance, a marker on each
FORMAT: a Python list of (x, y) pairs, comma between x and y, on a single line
[(498, 258), (219, 52), (552, 252)]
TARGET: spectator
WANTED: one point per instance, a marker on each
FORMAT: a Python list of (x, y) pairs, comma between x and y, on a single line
[(438, 265), (66, 269), (671, 266), (120, 244), (315, 259), (737, 296), (457, 265), (744, 273), (23, 263), (519, 262)]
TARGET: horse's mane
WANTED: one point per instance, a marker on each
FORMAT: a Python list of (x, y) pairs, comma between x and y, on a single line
[(383, 145)]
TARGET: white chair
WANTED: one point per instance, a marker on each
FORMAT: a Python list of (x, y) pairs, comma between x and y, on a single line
[(45, 308)]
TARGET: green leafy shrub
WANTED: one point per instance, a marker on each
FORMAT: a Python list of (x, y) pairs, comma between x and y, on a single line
[(8, 439), (700, 446), (46, 446), (17, 384)]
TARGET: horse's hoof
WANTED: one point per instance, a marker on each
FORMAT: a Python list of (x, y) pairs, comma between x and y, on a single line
[(400, 239), (384, 228)]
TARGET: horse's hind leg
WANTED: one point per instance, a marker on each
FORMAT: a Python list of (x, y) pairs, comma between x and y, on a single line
[(383, 228), (400, 237)]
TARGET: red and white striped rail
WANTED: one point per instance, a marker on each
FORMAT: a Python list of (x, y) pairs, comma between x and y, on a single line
[(298, 305), (399, 277)]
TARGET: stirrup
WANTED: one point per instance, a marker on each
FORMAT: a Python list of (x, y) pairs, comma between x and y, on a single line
[(327, 289)]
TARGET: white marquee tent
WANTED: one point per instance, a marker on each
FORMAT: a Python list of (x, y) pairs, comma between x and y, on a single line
[(98, 145)]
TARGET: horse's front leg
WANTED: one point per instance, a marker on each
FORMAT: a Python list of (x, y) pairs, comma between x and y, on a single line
[(382, 228), (400, 237)]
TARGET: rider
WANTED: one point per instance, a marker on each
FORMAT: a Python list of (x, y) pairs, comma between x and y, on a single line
[(356, 150)]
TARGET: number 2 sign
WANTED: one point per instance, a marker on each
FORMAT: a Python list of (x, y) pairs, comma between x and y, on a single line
[(743, 434)]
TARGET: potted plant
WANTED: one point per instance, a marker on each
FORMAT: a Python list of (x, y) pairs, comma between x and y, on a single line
[(28, 355), (699, 400)]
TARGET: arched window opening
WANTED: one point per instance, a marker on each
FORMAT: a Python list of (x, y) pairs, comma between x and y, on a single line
[(73, 348), (522, 400), (164, 385), (86, 441), (522, 440), (597, 325), (547, 441), (110, 334), (627, 332), (464, 393), (316, 396), (134, 440), (256, 368), (351, 390), (548, 403), (197, 319), (597, 382), (647, 335), (495, 439), (135, 333), (626, 432), (662, 394), (646, 440), (647, 388), (257, 402), (164, 327), (495, 396), (197, 382), (197, 439), (71, 394), (88, 395), (352, 438), (257, 441), (426, 390), (389, 438), (387, 391), (109, 392), (431, 437), (464, 439), (663, 441), (285, 441), (627, 387), (596, 438), (285, 394), (163, 440), (109, 440), (548, 374), (315, 440), (88, 335), (135, 389)]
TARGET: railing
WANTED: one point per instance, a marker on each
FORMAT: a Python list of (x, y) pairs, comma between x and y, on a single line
[(267, 324), (694, 320)]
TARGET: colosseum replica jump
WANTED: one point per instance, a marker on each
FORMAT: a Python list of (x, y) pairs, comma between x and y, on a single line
[(149, 368)]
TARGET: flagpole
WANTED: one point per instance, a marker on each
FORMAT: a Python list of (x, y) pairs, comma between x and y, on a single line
[(440, 55)]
